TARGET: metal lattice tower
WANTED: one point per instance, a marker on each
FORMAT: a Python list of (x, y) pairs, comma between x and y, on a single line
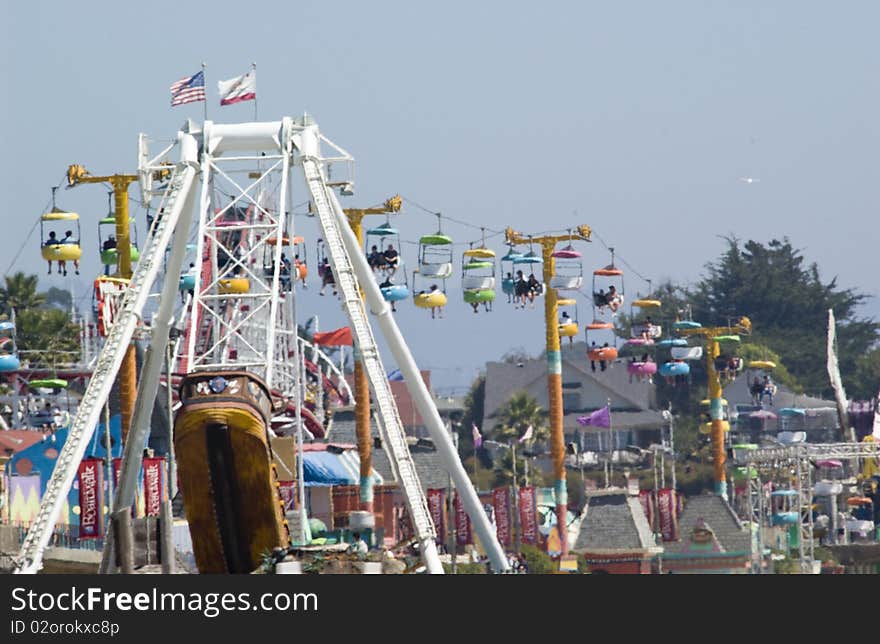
[(801, 457)]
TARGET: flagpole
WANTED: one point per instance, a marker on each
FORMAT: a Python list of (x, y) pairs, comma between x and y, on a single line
[(610, 446), (254, 69), (205, 79)]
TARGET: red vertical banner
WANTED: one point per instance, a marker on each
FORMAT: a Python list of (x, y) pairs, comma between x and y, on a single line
[(501, 503), (646, 498), (667, 510), (528, 515), (288, 494), (154, 485), (117, 470), (463, 535), (436, 506), (91, 493)]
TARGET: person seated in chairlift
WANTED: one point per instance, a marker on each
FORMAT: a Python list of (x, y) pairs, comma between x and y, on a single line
[(564, 320), (298, 264), (648, 330), (509, 277), (768, 389), (376, 259), (613, 298), (600, 300), (756, 389), (603, 364), (52, 241), (327, 277), (392, 259), (438, 309), (534, 289), (388, 284), (521, 288)]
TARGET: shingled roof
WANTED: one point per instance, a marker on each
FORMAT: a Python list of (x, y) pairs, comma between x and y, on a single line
[(614, 521), (631, 402), (720, 517)]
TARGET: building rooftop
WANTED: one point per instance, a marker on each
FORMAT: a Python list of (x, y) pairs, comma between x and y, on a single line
[(716, 513), (612, 521)]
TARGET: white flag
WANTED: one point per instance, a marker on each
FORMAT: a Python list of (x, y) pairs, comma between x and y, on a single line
[(527, 435), (236, 90)]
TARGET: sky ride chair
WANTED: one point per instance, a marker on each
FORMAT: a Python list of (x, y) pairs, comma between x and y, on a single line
[(608, 277), (395, 291), (60, 249), (507, 281), (107, 240), (569, 273), (526, 262), (568, 325), (644, 331), (376, 258), (435, 255), (478, 277), (428, 296), (50, 417), (605, 353)]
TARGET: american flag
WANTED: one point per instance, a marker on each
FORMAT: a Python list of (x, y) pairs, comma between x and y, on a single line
[(189, 89)]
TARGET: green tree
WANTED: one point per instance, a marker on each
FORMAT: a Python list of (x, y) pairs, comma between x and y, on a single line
[(50, 333), (788, 303), (59, 298), (514, 418), (20, 293), (865, 381)]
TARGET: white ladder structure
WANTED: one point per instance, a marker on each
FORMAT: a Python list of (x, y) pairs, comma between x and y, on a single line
[(390, 425), (110, 359)]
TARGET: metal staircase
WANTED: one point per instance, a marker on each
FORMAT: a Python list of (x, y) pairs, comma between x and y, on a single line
[(88, 414), (390, 425)]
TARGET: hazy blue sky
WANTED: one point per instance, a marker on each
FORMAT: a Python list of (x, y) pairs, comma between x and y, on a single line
[(640, 117)]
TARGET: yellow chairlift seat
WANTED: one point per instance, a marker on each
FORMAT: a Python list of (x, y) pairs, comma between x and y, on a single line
[(61, 251), (234, 286), (568, 330), (480, 253), (644, 304), (430, 300), (762, 364)]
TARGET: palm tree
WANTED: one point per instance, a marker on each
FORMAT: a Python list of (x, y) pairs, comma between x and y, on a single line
[(517, 414), (20, 293), (514, 419)]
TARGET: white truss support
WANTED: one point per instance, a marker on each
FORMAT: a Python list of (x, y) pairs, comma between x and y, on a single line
[(110, 359), (349, 266)]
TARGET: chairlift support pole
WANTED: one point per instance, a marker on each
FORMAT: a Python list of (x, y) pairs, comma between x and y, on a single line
[(716, 409), (554, 365), (361, 382)]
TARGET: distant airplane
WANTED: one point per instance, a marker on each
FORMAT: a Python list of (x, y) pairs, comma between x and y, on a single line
[(749, 180)]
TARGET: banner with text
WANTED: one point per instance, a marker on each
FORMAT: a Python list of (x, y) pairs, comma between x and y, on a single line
[(154, 485), (435, 507), (463, 535), (91, 493), (528, 516), (501, 503), (667, 511)]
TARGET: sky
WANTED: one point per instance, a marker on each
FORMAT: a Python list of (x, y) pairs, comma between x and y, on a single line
[(638, 119)]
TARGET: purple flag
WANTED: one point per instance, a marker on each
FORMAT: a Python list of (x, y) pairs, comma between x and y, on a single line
[(599, 418), (478, 438)]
